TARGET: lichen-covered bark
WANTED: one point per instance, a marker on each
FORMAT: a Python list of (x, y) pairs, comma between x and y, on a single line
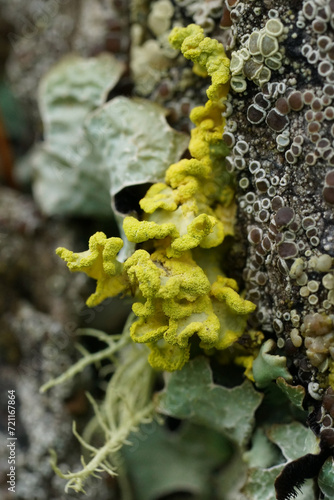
[(279, 126), (281, 140), (280, 130), (281, 137)]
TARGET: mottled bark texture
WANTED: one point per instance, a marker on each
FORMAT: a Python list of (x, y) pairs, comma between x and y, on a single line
[(41, 306), (280, 128)]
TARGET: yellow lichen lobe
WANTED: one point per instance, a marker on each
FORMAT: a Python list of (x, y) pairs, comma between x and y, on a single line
[(165, 356), (93, 262), (198, 232), (177, 301), (139, 231), (148, 329), (158, 196), (206, 144), (225, 290), (142, 272), (185, 279), (185, 170), (208, 55), (100, 263)]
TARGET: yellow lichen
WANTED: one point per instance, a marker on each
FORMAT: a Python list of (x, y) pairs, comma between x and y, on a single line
[(201, 322), (204, 231), (206, 139), (247, 363), (232, 323), (208, 55), (167, 357), (192, 210), (171, 289), (99, 262), (142, 272), (137, 232), (177, 301), (149, 329), (187, 171), (226, 290), (185, 279), (158, 196)]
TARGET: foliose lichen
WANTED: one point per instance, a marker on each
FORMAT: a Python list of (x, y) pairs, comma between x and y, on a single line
[(192, 210)]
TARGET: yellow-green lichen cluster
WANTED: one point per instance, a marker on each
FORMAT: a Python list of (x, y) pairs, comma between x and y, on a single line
[(184, 219), (207, 54)]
